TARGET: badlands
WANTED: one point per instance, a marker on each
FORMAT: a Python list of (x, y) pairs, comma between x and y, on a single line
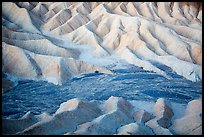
[(61, 43), (114, 116)]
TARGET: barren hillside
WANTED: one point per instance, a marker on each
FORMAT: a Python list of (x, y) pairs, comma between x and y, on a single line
[(73, 37)]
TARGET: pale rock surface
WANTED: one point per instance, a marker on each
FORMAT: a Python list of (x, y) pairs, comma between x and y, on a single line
[(188, 125), (67, 117), (43, 116), (11, 126), (117, 103), (113, 116), (142, 116), (157, 129), (117, 113), (194, 106), (74, 104), (135, 129), (191, 122), (163, 112), (28, 65), (145, 34), (138, 32), (19, 16)]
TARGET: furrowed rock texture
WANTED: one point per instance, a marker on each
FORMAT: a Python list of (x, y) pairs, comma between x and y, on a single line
[(113, 116), (146, 34)]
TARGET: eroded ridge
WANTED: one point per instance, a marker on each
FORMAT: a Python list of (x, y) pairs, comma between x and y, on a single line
[(113, 116), (146, 34)]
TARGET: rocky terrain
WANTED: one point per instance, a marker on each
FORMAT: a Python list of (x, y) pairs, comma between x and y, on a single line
[(100, 60), (113, 116), (53, 41)]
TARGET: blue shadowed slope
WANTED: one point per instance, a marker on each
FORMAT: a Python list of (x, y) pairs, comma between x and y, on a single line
[(132, 84)]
